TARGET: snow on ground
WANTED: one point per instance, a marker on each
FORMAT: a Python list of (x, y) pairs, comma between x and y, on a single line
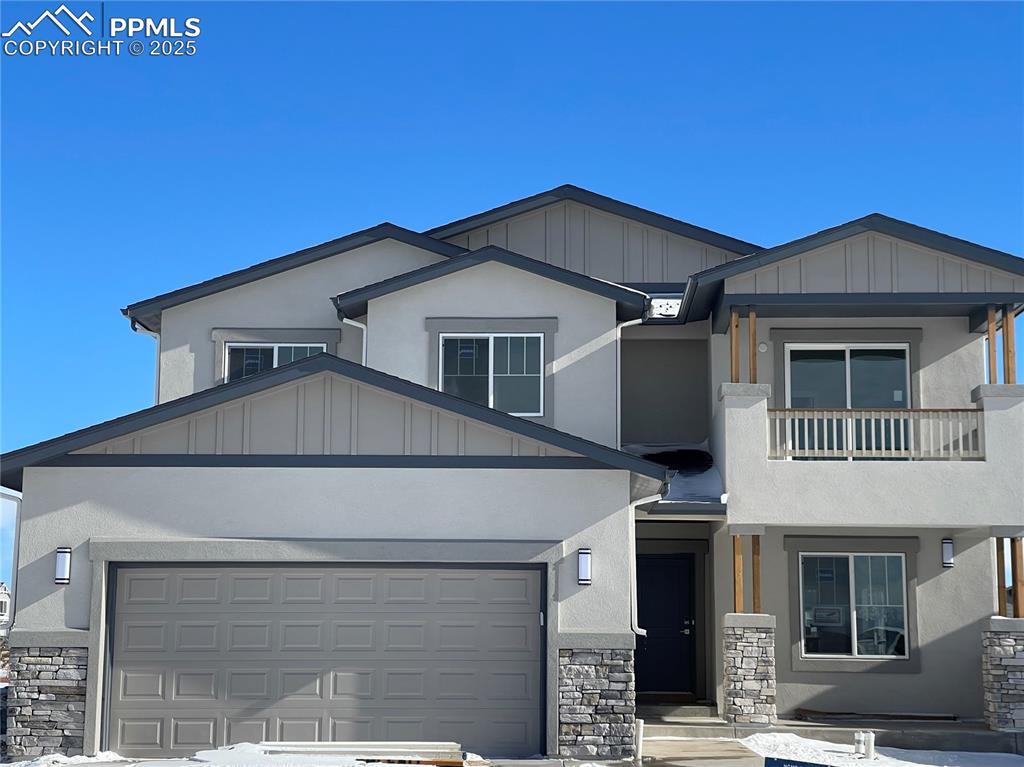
[(55, 760), (786, 745), (781, 745)]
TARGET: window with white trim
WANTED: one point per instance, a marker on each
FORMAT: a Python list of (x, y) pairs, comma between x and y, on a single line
[(853, 605), (244, 360), (504, 371)]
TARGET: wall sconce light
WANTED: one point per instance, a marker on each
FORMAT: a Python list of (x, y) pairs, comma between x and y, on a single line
[(947, 552), (62, 572), (584, 567)]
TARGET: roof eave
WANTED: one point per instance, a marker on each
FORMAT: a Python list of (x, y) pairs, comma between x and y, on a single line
[(601, 202), (148, 311)]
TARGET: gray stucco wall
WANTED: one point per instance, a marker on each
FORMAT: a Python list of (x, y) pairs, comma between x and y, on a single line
[(568, 508), (583, 363), (943, 673), (298, 298), (949, 610), (951, 357), (879, 493)]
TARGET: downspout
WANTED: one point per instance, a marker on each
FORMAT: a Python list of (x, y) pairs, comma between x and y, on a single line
[(156, 374), (634, 617), (13, 495), (362, 327)]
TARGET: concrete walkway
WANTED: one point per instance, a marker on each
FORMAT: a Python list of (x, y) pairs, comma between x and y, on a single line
[(699, 753)]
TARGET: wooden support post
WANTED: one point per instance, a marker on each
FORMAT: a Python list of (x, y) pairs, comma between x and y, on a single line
[(1009, 347), (752, 351), (993, 376), (1001, 575), (1017, 569), (737, 574), (755, 569), (734, 346)]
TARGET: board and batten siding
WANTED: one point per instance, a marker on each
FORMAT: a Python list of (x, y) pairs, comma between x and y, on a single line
[(874, 263), (585, 240), (324, 415)]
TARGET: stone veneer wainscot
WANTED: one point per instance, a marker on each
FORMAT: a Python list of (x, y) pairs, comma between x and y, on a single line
[(1002, 671), (46, 700), (596, 703), (749, 682)]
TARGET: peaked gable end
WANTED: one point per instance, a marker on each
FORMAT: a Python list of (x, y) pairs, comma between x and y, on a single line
[(303, 413), (325, 414)]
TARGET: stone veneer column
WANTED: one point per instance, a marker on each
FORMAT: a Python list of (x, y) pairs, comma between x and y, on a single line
[(596, 703), (46, 700), (1002, 672), (749, 681)]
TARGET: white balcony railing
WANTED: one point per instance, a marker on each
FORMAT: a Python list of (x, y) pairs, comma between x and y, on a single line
[(888, 434)]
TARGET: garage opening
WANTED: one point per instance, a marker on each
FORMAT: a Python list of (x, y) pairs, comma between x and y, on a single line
[(203, 657)]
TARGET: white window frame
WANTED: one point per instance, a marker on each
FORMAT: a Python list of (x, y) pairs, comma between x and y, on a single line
[(854, 655), (490, 364), (228, 346)]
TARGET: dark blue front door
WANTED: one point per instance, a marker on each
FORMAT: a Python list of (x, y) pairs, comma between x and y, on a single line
[(665, 658)]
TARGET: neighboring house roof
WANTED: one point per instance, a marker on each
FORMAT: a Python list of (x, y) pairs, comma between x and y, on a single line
[(704, 287), (594, 200), (630, 303), (12, 463), (147, 313)]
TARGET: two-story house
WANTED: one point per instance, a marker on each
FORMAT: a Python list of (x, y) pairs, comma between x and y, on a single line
[(498, 481)]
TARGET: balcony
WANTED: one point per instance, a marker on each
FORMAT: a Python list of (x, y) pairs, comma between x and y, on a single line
[(960, 467), (955, 434)]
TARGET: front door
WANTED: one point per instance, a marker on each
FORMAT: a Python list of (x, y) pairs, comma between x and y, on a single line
[(666, 657)]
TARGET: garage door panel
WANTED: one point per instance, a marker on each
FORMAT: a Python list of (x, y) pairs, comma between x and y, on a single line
[(155, 732), (209, 656), (500, 590), (494, 636), (439, 685)]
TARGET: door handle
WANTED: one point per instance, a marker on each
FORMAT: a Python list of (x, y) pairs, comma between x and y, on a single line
[(685, 631)]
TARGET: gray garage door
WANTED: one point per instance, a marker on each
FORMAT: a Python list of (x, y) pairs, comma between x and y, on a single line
[(205, 656)]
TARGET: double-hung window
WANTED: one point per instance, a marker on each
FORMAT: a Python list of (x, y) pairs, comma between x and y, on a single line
[(504, 371), (243, 360), (853, 605)]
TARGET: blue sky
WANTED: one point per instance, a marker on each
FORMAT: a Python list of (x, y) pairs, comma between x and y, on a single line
[(298, 122)]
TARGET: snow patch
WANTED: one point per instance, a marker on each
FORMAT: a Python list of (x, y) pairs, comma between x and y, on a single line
[(786, 745), (252, 755), (60, 759)]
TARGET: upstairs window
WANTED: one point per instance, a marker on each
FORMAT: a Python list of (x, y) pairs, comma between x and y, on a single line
[(244, 360), (500, 370)]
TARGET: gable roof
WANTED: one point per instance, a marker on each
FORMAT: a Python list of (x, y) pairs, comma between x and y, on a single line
[(630, 303), (600, 202), (12, 463), (147, 313), (703, 288)]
